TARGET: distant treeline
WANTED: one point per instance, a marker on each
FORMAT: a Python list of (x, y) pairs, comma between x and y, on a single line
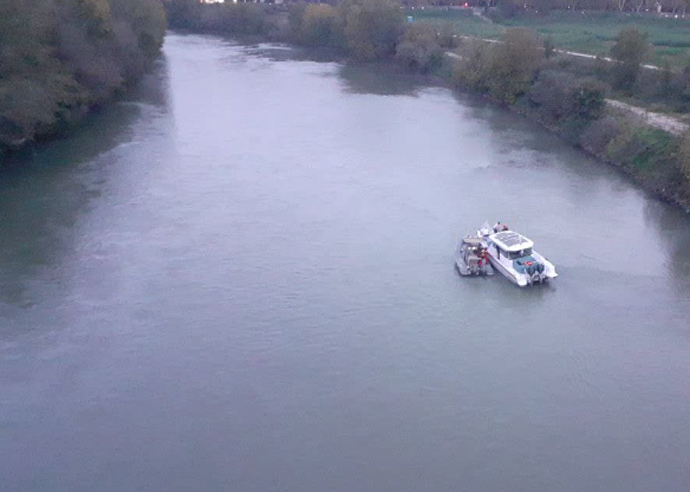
[(59, 58), (363, 30)]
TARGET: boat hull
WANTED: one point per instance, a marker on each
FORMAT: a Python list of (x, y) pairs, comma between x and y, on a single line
[(465, 271), (523, 279)]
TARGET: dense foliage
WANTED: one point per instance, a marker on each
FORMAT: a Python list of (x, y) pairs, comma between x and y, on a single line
[(561, 97), (372, 27), (684, 155), (58, 58), (320, 25)]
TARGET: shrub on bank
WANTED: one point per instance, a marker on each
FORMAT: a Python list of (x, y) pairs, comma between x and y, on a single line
[(684, 156), (560, 96), (641, 148), (599, 134), (657, 159)]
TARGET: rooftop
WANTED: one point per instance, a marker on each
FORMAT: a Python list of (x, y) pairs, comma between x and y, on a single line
[(511, 241)]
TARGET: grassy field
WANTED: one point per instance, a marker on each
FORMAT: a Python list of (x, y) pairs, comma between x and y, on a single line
[(463, 20), (591, 32)]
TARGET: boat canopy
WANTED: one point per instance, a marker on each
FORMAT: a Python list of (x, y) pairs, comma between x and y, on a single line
[(510, 241), (475, 241)]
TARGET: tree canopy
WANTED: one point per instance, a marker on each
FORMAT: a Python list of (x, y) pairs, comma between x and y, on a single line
[(372, 27), (58, 58), (629, 51)]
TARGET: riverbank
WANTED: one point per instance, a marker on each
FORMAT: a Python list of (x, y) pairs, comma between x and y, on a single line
[(644, 153), (576, 110)]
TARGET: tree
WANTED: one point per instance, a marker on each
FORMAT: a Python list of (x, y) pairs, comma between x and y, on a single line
[(321, 26), (419, 49), (665, 78), (473, 69), (629, 51), (587, 99), (372, 27), (513, 64), (549, 47)]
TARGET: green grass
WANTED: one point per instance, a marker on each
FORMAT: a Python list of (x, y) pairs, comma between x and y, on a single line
[(650, 147), (592, 32), (463, 21)]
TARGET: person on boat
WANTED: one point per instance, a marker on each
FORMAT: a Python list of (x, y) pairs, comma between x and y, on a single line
[(497, 226), (483, 256)]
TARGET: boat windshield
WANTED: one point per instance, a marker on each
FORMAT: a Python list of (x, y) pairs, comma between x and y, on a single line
[(514, 255)]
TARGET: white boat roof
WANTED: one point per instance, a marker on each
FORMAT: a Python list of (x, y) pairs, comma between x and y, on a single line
[(511, 241), (473, 240)]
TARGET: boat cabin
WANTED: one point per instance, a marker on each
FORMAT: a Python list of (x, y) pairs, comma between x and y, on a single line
[(511, 245)]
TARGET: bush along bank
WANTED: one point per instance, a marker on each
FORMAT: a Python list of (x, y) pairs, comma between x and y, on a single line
[(520, 72), (59, 59)]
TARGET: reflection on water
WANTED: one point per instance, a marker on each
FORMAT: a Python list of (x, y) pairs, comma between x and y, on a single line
[(671, 226), (380, 81), (46, 189)]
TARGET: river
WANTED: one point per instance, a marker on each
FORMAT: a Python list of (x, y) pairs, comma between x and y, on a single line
[(240, 278)]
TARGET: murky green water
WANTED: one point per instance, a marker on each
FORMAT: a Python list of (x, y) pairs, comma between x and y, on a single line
[(241, 279)]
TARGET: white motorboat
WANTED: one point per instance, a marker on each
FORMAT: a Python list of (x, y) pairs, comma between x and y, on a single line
[(513, 255), (471, 257)]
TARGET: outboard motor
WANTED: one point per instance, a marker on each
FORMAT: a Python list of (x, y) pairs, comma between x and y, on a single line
[(535, 272)]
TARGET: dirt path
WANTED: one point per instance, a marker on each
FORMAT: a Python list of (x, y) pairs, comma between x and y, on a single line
[(606, 59), (657, 120), (562, 52)]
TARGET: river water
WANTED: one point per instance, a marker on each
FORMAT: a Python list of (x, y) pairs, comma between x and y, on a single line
[(241, 279)]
